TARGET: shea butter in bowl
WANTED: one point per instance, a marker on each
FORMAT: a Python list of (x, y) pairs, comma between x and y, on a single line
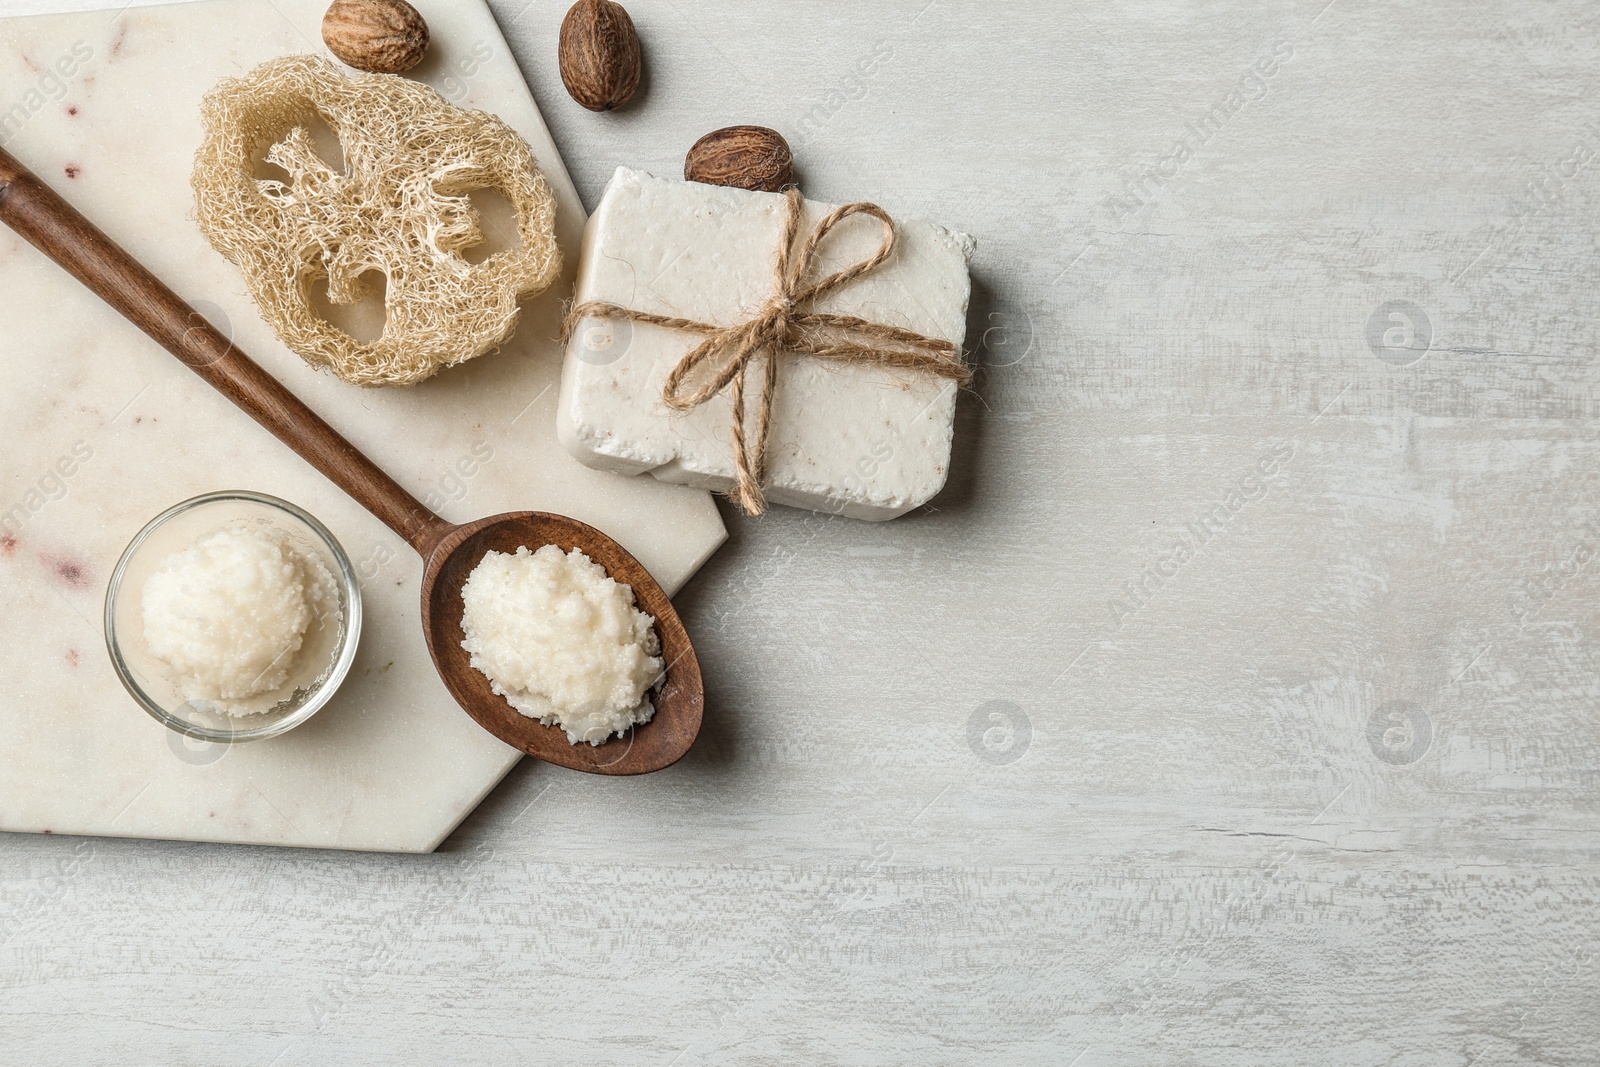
[(233, 617)]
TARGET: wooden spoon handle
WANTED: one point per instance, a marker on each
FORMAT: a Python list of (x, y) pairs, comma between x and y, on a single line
[(54, 227)]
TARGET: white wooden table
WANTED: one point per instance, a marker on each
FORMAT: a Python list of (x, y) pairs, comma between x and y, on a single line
[(1123, 751)]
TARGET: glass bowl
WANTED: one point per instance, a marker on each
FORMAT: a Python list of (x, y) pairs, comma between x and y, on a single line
[(330, 643)]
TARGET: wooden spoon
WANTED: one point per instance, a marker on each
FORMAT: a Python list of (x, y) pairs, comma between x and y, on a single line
[(449, 552)]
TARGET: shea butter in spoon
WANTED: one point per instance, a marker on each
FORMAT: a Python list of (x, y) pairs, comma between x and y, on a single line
[(561, 641)]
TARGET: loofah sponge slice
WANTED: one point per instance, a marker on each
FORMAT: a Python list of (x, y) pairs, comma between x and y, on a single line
[(400, 207)]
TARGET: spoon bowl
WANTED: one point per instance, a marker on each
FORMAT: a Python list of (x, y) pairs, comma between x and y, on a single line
[(679, 699)]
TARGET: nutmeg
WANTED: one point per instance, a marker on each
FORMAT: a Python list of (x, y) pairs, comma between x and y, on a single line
[(381, 36), (599, 55), (745, 157)]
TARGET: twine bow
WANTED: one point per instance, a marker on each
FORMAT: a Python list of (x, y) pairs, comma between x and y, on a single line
[(787, 323)]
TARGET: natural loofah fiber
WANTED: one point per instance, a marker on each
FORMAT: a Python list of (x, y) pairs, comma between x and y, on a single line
[(399, 207)]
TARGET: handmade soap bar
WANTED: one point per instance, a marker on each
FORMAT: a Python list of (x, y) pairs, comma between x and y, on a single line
[(856, 438)]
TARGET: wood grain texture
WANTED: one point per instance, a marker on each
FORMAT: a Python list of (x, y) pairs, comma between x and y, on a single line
[(1012, 780)]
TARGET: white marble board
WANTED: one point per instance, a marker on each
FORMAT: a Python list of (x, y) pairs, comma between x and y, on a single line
[(102, 430)]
